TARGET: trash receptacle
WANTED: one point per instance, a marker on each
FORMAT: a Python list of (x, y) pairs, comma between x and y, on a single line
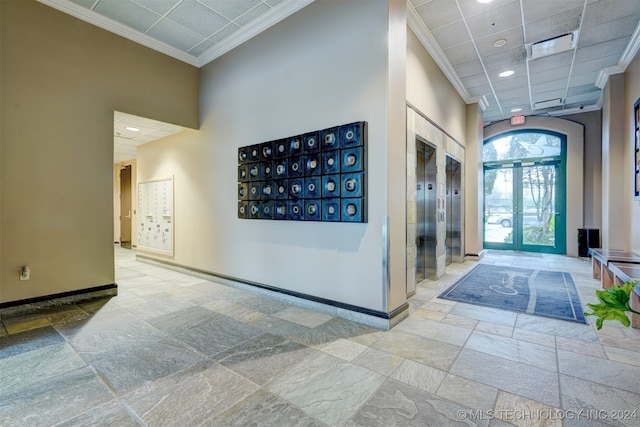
[(587, 238)]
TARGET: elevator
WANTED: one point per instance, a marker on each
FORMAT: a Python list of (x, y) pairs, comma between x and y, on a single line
[(426, 200), (453, 211)]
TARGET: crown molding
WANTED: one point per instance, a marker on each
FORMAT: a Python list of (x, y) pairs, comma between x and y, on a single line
[(430, 44), (110, 25), (603, 75), (269, 19), (631, 50)]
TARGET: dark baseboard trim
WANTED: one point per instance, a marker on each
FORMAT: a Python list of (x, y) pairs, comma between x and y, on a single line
[(88, 292), (332, 303)]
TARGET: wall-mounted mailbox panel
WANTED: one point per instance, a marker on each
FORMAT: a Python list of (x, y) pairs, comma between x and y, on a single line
[(317, 176), (155, 215)]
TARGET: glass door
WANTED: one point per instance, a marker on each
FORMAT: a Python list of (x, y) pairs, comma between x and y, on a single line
[(524, 193), (541, 220)]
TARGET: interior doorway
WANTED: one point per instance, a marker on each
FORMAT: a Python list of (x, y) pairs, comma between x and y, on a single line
[(125, 206), (426, 201)]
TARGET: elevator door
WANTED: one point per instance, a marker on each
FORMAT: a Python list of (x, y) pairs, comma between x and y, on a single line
[(453, 203), (426, 212)]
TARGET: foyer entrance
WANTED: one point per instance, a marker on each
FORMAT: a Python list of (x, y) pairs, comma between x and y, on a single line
[(524, 192)]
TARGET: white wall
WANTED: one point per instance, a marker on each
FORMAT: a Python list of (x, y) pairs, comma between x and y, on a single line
[(324, 66)]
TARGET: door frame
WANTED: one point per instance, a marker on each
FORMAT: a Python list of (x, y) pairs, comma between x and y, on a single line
[(517, 165)]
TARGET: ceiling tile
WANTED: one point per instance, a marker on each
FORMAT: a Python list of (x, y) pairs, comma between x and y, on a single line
[(545, 96), (611, 47), (230, 9), (495, 20), (223, 33), (464, 52), (475, 80), (252, 14), (553, 26), (510, 83), (505, 60), (541, 77), (200, 48), (198, 18), (479, 90), (598, 63), (520, 70), (535, 10), (439, 13), (585, 98), (174, 35), (622, 27), (543, 66), (451, 35), (584, 78), (127, 13), (609, 10), (158, 6), (582, 89), (558, 84), (472, 7), (513, 36), (521, 94), (467, 69)]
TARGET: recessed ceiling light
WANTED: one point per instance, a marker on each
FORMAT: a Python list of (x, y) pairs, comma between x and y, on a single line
[(484, 1), (516, 110), (132, 129), (507, 73), (499, 43)]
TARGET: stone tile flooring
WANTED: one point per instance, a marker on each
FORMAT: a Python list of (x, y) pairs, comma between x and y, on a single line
[(176, 350)]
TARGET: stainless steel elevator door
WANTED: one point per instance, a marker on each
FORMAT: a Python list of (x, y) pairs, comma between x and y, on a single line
[(453, 206), (426, 212)]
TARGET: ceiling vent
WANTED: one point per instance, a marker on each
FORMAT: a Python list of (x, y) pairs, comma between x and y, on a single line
[(553, 45), (547, 104)]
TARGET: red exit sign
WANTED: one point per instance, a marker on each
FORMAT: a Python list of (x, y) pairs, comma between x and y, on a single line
[(517, 120)]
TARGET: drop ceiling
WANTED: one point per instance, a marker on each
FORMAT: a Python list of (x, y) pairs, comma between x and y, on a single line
[(129, 131), (471, 42)]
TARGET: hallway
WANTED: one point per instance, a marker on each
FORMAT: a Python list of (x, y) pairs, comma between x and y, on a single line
[(177, 350)]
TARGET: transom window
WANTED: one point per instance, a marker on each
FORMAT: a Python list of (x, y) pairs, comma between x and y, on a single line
[(522, 145)]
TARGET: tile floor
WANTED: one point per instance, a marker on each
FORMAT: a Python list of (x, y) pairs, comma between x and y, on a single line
[(175, 350)]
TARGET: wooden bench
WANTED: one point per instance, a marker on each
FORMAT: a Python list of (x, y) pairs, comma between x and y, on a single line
[(601, 258), (623, 273)]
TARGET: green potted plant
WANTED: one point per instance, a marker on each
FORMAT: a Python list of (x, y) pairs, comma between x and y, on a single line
[(614, 303)]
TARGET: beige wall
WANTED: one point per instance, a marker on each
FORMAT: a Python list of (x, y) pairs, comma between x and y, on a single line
[(430, 93), (631, 94), (615, 188), (474, 183), (61, 79), (298, 76), (592, 122)]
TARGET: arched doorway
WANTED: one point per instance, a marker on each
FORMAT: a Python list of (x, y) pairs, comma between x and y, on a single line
[(524, 191)]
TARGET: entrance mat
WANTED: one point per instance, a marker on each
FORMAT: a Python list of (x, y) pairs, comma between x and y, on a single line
[(536, 292)]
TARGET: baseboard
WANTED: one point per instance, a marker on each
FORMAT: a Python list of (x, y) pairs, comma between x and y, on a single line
[(373, 318), (55, 300)]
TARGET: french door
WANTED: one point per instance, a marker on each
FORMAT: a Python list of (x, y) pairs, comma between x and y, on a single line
[(526, 209)]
